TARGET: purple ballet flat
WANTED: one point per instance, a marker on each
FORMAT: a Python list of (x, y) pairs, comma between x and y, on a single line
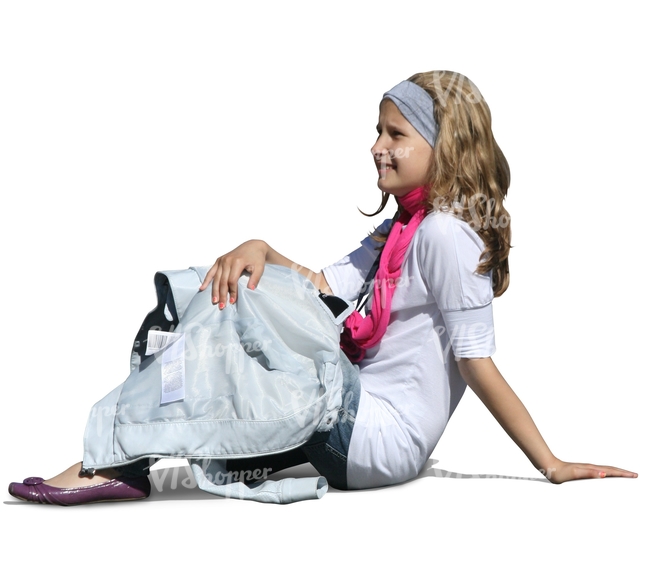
[(122, 488)]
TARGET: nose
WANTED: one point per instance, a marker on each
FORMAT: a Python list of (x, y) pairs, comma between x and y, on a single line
[(378, 149)]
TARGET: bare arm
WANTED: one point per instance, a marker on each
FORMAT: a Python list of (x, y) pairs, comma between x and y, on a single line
[(251, 256), (486, 381)]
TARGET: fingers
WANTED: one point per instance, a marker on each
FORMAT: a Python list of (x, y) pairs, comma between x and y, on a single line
[(600, 472), (233, 285), (208, 278), (220, 284), (214, 276), (580, 472), (573, 471), (227, 290), (256, 275), (227, 269), (609, 471), (224, 276)]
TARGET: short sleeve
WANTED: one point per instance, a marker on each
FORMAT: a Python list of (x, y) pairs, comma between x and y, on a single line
[(346, 276), (471, 332), (449, 251)]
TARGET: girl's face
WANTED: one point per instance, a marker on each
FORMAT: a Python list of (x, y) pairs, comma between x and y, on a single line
[(401, 154)]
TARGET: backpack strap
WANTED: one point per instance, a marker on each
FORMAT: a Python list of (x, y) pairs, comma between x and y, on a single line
[(370, 277)]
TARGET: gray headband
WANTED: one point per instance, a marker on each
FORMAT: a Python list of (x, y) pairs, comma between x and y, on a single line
[(416, 105)]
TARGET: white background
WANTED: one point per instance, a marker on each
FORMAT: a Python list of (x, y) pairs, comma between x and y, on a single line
[(142, 136)]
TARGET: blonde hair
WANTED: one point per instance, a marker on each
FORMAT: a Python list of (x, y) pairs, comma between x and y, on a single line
[(468, 175)]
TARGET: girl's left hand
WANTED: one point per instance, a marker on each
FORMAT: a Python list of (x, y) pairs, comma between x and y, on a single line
[(224, 274), (569, 471)]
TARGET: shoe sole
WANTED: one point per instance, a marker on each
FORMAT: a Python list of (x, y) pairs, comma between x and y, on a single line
[(81, 504)]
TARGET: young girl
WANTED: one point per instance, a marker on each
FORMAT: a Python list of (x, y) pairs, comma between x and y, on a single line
[(427, 330)]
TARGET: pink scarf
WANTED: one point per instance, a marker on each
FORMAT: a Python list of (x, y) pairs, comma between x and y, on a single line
[(362, 333)]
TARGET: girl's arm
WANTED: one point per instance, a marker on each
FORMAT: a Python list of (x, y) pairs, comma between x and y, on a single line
[(486, 381), (251, 256)]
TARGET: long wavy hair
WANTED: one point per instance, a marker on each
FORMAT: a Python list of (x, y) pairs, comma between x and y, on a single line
[(468, 174)]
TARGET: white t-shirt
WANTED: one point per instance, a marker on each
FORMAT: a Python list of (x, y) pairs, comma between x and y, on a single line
[(410, 380)]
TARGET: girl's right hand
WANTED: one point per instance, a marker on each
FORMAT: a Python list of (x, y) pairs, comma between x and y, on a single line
[(570, 471), (224, 274)]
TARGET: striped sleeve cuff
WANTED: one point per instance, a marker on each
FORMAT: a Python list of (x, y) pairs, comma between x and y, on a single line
[(471, 331)]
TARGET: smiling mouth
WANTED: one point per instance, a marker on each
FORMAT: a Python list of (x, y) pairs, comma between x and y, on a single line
[(383, 169)]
